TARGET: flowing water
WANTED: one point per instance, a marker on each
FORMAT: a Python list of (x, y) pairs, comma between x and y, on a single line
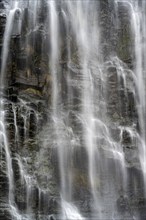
[(98, 143), (4, 141)]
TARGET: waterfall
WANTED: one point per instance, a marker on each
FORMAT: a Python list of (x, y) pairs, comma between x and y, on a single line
[(72, 109), (137, 16), (4, 140), (7, 37), (138, 28)]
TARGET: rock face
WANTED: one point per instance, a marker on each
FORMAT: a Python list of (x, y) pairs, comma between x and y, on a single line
[(28, 105)]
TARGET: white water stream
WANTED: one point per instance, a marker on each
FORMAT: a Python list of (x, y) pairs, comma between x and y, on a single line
[(78, 115)]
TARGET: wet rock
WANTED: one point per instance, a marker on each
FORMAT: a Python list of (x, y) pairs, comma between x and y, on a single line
[(28, 104)]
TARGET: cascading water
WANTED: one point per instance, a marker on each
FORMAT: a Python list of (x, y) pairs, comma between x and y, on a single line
[(4, 140), (136, 11), (72, 110)]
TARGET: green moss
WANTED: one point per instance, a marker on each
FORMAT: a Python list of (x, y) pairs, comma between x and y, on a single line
[(33, 92), (124, 43), (75, 58), (80, 179)]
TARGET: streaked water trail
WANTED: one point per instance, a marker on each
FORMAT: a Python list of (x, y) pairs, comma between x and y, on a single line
[(91, 145)]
